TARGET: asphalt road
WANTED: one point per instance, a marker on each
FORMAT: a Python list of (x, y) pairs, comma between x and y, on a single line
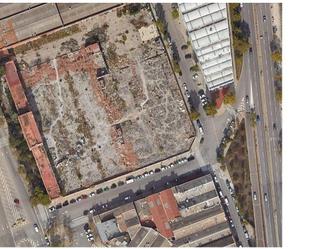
[(22, 234), (115, 197), (268, 157)]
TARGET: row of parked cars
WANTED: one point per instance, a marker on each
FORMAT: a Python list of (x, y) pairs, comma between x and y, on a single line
[(129, 179), (180, 161), (89, 233), (78, 199)]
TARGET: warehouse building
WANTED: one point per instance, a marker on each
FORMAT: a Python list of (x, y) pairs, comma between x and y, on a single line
[(208, 28)]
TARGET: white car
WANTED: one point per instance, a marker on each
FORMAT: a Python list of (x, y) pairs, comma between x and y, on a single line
[(51, 209), (226, 201), (195, 76), (36, 228), (92, 194), (254, 196)]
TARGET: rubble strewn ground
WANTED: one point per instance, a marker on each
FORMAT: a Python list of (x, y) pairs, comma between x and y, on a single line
[(131, 117)]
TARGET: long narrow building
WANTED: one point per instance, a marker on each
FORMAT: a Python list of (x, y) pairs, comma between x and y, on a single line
[(30, 130), (208, 28)]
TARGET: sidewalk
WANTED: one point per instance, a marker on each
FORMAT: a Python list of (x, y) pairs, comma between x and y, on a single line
[(277, 21), (123, 178)]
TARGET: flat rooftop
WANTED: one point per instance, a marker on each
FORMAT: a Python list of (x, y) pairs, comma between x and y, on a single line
[(222, 242), (188, 220), (208, 29), (30, 129), (201, 234)]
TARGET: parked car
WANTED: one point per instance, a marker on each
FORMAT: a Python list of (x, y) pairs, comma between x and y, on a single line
[(92, 210), (51, 209), (58, 206), (258, 118), (36, 228), (157, 170), (47, 240), (86, 212), (92, 194), (264, 18), (195, 76), (72, 200), (188, 56), (250, 49), (226, 201), (65, 203), (247, 99), (16, 201), (79, 199), (127, 198), (190, 158), (254, 196), (99, 191)]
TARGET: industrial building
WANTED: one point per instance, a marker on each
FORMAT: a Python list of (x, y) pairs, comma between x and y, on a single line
[(189, 214), (208, 29)]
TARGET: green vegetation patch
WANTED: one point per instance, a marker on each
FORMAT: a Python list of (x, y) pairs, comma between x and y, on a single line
[(236, 162)]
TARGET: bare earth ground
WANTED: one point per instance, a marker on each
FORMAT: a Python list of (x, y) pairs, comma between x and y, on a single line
[(96, 129)]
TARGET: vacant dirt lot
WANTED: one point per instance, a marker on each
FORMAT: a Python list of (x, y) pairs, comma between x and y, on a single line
[(95, 127), (237, 164)]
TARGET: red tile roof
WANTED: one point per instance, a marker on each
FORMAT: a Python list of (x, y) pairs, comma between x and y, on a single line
[(30, 129), (15, 86), (163, 208), (46, 171)]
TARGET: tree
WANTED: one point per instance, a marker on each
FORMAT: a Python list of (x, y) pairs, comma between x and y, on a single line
[(194, 115), (175, 13), (176, 67), (39, 197), (2, 70), (276, 56), (120, 183), (160, 26), (210, 109), (195, 68), (134, 8), (279, 95), (114, 185), (229, 99)]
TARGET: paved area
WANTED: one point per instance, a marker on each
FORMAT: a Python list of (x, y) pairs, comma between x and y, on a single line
[(17, 226), (268, 157)]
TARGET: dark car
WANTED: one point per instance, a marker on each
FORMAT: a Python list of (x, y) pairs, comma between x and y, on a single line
[(188, 56), (58, 206), (274, 126), (264, 18), (72, 201), (190, 158), (16, 201), (157, 170), (65, 203), (99, 191), (258, 118), (86, 212), (250, 49)]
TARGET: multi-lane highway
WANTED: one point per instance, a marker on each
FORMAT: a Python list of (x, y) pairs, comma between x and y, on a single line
[(264, 156)]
